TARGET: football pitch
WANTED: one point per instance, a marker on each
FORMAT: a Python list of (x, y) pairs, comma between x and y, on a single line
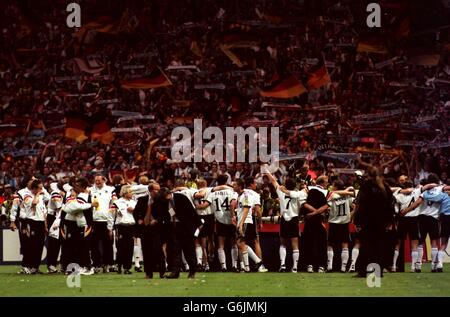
[(227, 284)]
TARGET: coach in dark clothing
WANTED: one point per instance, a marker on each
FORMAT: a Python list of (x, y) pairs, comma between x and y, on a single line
[(156, 220), (186, 224), (314, 233), (373, 216), (148, 230)]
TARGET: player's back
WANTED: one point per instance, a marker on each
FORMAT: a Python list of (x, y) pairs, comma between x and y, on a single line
[(220, 202)]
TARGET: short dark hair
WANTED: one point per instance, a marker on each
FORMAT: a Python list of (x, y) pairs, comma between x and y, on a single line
[(240, 183), (35, 184), (82, 182), (290, 184), (339, 184), (249, 180), (222, 179), (433, 178), (25, 181)]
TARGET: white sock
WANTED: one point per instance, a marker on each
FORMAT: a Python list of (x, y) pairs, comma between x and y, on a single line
[(330, 255), (394, 263), (222, 258), (199, 254), (295, 256), (344, 257), (234, 255), (245, 258), (434, 253), (253, 255), (414, 259), (355, 254), (283, 255), (186, 265), (440, 257), (420, 254), (136, 255)]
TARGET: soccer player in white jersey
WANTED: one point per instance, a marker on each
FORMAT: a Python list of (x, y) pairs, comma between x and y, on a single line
[(289, 231), (340, 202), (102, 226), (246, 231), (250, 187), (428, 219), (444, 199), (18, 213), (222, 200), (53, 220), (124, 222), (35, 207), (204, 243), (408, 224)]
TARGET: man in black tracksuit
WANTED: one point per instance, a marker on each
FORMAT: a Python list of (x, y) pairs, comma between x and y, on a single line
[(314, 233), (185, 226)]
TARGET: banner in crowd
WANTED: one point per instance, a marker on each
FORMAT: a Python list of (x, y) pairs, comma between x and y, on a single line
[(281, 105), (378, 151), (107, 101), (127, 130), (380, 115), (342, 157), (137, 117), (120, 113), (20, 153), (219, 86), (438, 145), (347, 170), (311, 124)]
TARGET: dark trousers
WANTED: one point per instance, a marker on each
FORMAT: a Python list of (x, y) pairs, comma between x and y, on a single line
[(152, 250), (53, 245), (315, 244), (101, 245), (125, 246), (180, 240), (372, 249), (36, 242), (24, 242), (76, 245)]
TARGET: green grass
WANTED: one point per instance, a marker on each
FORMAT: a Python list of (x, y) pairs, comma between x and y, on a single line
[(226, 284)]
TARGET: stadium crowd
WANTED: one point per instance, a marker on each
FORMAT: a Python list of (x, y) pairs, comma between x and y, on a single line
[(219, 60)]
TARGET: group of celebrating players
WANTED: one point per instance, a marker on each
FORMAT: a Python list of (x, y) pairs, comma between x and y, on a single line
[(79, 223)]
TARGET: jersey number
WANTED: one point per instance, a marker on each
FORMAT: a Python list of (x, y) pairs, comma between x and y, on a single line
[(341, 210), (225, 204), (289, 201)]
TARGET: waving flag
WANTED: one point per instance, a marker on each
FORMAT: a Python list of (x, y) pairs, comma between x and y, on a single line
[(155, 80), (318, 76), (285, 87)]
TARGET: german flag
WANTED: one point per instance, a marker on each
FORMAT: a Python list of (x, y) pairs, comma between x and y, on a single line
[(318, 76), (285, 87), (87, 67), (76, 127), (372, 45), (237, 38), (101, 131), (156, 79)]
